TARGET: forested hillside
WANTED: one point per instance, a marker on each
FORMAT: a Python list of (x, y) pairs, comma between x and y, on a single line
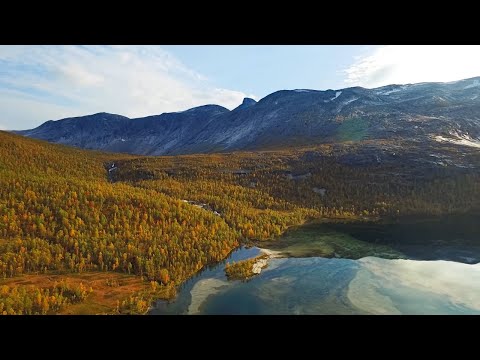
[(59, 213), (350, 180), (65, 212)]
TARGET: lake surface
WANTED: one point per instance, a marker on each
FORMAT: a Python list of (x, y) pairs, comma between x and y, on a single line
[(380, 276)]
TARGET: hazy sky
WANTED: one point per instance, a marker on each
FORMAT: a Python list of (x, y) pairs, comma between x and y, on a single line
[(39, 83)]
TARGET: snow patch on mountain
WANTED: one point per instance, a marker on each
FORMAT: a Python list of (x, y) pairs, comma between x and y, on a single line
[(337, 94), (388, 92), (475, 83), (459, 139), (350, 100)]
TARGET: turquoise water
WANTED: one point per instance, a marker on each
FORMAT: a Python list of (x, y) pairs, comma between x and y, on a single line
[(290, 286), (434, 279)]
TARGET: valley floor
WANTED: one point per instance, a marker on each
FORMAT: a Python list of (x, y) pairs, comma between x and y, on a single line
[(109, 289)]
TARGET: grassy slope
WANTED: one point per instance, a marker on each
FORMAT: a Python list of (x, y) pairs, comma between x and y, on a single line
[(353, 129), (108, 288)]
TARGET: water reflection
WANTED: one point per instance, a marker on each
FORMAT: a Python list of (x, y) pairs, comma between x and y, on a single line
[(337, 286), (360, 284), (415, 287)]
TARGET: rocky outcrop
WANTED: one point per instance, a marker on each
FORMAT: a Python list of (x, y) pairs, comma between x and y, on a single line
[(259, 265)]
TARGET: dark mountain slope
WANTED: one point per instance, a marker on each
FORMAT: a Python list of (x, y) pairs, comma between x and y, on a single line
[(423, 112)]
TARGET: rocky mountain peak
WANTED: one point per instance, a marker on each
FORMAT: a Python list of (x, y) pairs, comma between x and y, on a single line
[(247, 102)]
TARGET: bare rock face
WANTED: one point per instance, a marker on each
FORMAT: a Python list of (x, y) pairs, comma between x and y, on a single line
[(247, 102), (259, 265)]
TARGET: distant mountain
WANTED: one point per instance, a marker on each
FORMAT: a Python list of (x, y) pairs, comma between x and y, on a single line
[(444, 112)]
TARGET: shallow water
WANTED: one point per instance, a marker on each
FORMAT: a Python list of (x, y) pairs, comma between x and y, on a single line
[(319, 285)]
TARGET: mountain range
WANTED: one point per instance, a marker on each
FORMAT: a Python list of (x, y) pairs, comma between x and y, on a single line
[(443, 112)]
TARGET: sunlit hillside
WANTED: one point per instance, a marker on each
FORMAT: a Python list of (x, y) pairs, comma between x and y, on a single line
[(60, 215), (89, 232)]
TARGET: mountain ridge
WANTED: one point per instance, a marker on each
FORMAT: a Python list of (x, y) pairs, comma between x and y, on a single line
[(422, 111)]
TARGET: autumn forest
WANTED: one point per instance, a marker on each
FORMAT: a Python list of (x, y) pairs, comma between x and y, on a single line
[(90, 232)]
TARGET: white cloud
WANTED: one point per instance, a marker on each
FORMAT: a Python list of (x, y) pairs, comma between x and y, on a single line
[(23, 112), (40, 83), (401, 64), (80, 76)]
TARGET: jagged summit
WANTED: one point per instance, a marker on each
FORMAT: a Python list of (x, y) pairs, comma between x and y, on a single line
[(247, 102)]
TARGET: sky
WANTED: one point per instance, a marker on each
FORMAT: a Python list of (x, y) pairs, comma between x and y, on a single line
[(40, 83)]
